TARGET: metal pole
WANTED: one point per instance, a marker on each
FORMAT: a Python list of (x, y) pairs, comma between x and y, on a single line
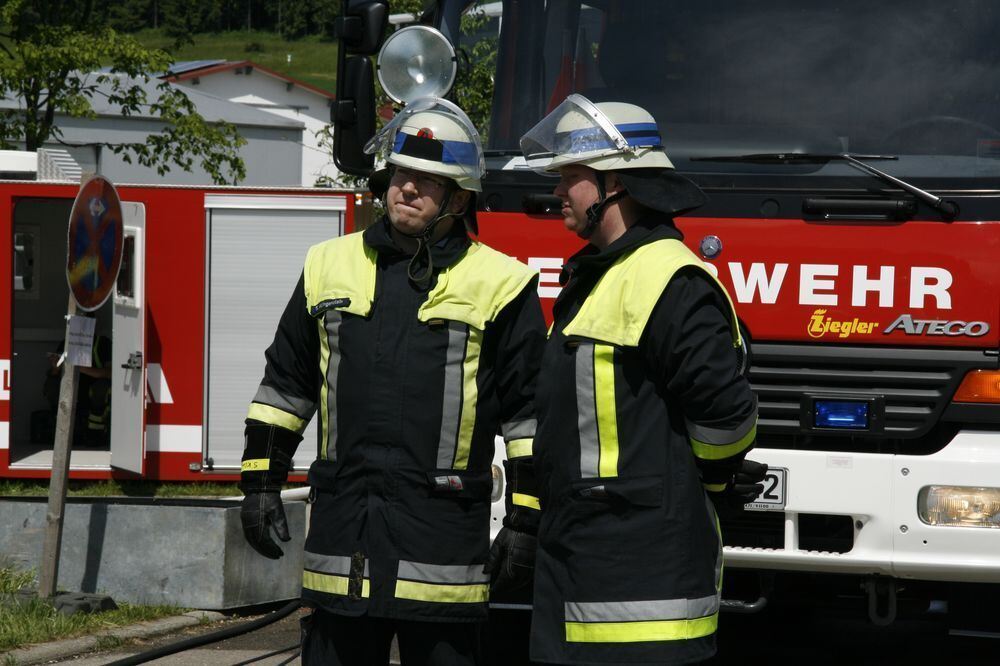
[(48, 574)]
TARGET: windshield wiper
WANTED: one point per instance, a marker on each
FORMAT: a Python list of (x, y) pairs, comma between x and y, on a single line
[(791, 158), (946, 208)]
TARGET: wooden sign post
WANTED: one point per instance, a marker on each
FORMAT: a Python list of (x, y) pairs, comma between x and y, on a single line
[(94, 256)]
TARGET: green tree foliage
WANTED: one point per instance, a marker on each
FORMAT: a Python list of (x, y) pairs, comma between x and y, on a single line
[(51, 54), (298, 18), (131, 15), (182, 19), (473, 90)]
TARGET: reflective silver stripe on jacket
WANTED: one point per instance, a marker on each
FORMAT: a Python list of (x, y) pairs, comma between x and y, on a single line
[(597, 410), (332, 321), (451, 407), (641, 611), (720, 436), (519, 429), (719, 561), (453, 574), (586, 411), (302, 408), (458, 407), (338, 565)]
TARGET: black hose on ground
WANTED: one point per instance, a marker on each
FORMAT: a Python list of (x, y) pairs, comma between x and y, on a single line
[(207, 639)]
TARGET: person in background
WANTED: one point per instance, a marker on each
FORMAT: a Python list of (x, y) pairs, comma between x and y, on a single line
[(92, 416)]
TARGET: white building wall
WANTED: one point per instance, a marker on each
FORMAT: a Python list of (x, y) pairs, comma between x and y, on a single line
[(267, 93), (272, 155)]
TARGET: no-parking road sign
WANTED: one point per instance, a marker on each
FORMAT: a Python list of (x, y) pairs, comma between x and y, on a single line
[(94, 243)]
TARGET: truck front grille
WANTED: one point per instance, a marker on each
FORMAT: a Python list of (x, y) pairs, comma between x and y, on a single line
[(916, 386), (817, 532)]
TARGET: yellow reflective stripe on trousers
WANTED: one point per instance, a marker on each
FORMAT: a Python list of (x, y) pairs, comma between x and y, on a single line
[(275, 416), (330, 367), (458, 410), (467, 594), (634, 632), (520, 499), (597, 412), (330, 584)]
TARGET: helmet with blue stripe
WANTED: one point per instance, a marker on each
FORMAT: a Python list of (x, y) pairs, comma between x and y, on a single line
[(607, 136), (433, 136), (611, 136)]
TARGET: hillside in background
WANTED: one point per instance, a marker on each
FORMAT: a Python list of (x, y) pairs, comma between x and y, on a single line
[(312, 59)]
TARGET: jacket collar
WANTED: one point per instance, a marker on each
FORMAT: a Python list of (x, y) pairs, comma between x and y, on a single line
[(647, 229), (444, 252)]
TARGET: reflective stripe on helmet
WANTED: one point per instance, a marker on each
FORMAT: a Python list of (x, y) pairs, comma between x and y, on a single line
[(645, 135)]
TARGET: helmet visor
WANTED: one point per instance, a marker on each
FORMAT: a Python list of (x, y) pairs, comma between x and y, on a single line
[(574, 131), (458, 147)]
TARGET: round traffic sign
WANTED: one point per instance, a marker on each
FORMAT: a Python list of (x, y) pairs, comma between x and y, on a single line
[(94, 243)]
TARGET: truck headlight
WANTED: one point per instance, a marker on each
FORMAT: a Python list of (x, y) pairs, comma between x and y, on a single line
[(959, 506)]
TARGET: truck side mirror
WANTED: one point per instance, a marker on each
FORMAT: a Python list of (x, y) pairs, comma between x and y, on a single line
[(361, 25), (359, 28)]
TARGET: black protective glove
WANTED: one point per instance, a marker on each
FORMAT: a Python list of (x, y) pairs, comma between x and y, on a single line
[(748, 482), (746, 486), (260, 513), (511, 562)]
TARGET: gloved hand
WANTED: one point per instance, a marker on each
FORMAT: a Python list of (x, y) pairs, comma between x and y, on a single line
[(511, 562), (260, 513), (746, 486), (748, 482)]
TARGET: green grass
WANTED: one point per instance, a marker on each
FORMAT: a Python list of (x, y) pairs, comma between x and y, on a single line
[(121, 488), (314, 61), (37, 622)]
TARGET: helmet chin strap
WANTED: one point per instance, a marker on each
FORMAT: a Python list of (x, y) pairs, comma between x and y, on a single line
[(423, 239), (595, 212)]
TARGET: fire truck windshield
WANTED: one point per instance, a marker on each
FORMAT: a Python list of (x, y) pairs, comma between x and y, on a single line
[(917, 79)]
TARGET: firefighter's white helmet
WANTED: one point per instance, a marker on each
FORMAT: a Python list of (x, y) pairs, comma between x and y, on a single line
[(434, 136), (607, 136)]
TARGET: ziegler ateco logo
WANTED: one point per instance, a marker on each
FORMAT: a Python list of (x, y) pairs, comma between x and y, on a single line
[(910, 326), (821, 325)]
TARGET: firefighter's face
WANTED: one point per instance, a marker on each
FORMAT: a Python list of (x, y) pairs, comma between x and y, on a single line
[(414, 199), (578, 191)]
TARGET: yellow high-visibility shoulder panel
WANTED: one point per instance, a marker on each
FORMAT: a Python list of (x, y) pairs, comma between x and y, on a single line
[(619, 307), (476, 288), (342, 271)]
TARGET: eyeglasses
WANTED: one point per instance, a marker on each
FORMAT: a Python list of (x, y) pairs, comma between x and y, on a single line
[(422, 181)]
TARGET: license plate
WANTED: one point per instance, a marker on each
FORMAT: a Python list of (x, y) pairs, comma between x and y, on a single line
[(773, 497)]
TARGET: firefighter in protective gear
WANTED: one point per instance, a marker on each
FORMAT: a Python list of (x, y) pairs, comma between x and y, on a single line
[(642, 405), (417, 346)]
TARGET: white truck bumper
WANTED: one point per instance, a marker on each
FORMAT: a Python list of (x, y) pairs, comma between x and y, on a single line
[(879, 492)]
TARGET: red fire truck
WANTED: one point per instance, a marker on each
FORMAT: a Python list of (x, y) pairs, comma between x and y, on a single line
[(206, 273), (851, 154)]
